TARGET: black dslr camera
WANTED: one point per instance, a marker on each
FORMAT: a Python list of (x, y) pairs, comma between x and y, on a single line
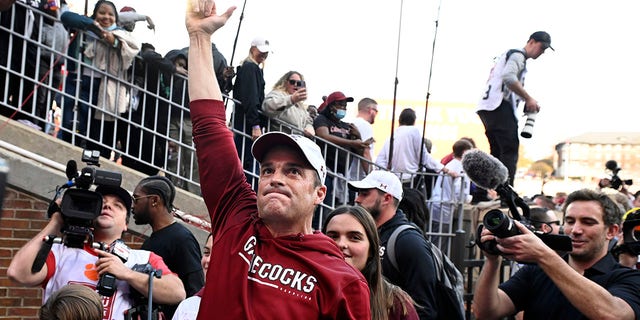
[(503, 226), (616, 182), (80, 206)]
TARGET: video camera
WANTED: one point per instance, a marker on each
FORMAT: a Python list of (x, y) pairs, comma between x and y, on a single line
[(503, 226), (616, 182), (80, 206), (630, 236)]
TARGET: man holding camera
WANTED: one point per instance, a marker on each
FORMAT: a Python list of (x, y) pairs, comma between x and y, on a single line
[(65, 265), (505, 89), (586, 283)]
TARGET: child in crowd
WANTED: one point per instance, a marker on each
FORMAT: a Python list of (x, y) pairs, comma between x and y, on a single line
[(110, 50)]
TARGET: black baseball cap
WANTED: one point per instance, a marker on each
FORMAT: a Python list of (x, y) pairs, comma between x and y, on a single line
[(543, 37), (119, 192)]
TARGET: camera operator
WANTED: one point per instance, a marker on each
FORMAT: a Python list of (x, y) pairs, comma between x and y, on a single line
[(84, 266), (586, 283), (627, 254)]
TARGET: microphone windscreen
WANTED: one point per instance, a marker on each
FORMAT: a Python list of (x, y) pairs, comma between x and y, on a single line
[(72, 169), (611, 165), (484, 169)]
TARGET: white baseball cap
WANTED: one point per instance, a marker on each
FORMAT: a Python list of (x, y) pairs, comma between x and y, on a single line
[(261, 43), (309, 149), (384, 181)]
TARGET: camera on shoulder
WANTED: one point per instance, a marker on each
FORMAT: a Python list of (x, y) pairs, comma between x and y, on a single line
[(81, 206)]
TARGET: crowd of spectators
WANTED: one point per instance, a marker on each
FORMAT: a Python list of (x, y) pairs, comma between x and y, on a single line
[(125, 99)]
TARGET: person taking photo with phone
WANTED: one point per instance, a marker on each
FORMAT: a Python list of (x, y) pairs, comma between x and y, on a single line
[(286, 103)]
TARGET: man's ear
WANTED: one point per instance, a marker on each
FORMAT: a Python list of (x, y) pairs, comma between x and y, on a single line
[(321, 193), (388, 199), (612, 231), (546, 228)]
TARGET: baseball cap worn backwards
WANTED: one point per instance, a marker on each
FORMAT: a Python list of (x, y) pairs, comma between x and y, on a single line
[(384, 181), (306, 147), (543, 37)]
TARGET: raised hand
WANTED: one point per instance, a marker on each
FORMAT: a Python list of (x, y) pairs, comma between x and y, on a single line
[(202, 17)]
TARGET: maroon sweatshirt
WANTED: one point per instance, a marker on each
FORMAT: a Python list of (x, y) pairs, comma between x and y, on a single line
[(253, 275)]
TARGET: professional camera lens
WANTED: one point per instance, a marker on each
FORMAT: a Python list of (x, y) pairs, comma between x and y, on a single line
[(527, 131), (500, 224)]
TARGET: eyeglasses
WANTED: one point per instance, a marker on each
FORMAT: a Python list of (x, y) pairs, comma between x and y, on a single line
[(297, 83), (135, 199)]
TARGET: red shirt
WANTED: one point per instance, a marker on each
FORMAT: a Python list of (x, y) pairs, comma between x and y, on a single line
[(253, 275)]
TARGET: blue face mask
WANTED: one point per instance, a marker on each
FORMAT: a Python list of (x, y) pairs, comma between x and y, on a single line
[(341, 113)]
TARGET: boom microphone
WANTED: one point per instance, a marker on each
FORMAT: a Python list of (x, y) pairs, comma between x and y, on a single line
[(484, 169), (489, 173)]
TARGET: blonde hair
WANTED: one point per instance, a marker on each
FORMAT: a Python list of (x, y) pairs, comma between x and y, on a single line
[(72, 302)]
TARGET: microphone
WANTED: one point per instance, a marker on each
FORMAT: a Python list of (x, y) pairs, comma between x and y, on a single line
[(612, 165), (484, 169), (487, 172), (72, 173)]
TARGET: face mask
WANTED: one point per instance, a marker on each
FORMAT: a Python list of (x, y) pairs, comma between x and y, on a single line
[(341, 113)]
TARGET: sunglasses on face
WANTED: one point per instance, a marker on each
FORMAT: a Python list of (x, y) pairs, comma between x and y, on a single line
[(297, 83)]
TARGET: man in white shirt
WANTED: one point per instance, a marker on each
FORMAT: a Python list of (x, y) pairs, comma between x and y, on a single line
[(367, 112), (408, 150)]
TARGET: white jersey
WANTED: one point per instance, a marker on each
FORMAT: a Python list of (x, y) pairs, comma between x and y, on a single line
[(496, 89), (77, 266)]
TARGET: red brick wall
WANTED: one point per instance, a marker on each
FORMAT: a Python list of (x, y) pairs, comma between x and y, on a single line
[(23, 216)]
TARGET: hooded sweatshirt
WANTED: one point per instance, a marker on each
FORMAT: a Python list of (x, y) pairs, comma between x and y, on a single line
[(253, 275)]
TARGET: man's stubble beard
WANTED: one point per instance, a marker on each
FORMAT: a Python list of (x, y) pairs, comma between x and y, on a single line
[(374, 211)]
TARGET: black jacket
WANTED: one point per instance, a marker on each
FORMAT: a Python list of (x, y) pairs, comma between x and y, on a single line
[(416, 275)]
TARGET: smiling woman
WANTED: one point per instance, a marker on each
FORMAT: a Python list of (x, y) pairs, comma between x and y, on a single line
[(354, 231)]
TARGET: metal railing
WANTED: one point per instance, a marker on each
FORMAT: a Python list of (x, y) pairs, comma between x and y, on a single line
[(154, 134)]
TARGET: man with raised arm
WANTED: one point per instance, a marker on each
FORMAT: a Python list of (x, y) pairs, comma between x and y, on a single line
[(267, 263)]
